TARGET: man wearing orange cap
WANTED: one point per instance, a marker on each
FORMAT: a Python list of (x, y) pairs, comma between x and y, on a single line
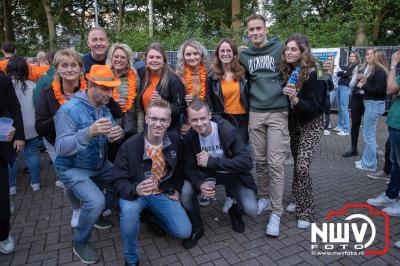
[(84, 126)]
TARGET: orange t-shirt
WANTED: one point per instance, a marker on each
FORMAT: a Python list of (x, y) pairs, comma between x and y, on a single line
[(35, 72), (231, 93), (146, 97)]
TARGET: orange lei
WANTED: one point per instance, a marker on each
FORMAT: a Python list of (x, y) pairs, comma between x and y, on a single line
[(131, 91), (57, 89), (189, 84)]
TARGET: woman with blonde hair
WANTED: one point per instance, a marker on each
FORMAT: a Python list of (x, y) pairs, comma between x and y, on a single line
[(68, 79), (120, 60), (192, 67), (374, 88)]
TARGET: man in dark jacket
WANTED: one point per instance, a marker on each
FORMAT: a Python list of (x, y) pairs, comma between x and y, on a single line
[(213, 148), (9, 107), (148, 174)]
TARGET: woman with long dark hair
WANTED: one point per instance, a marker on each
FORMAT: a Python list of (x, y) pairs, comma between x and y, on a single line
[(227, 93), (159, 81), (306, 122), (374, 88), (17, 68)]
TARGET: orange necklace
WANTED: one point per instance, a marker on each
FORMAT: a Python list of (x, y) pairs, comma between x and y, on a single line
[(131, 77), (198, 92), (57, 89)]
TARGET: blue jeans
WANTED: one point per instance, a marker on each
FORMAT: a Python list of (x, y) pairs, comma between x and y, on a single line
[(332, 96), (170, 214), (393, 188), (373, 110), (31, 154), (343, 94), (84, 189)]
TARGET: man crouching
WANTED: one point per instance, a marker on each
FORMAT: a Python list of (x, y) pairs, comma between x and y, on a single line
[(215, 154), (148, 174)]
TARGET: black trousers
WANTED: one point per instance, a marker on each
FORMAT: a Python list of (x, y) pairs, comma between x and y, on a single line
[(4, 201), (327, 112), (387, 168), (357, 111)]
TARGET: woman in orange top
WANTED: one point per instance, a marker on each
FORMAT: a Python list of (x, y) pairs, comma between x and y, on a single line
[(226, 87), (192, 66), (157, 80)]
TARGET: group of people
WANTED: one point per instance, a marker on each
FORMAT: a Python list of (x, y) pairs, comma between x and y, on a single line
[(153, 143)]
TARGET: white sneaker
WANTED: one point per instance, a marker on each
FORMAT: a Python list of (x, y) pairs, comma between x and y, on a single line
[(303, 224), (341, 133), (291, 207), (106, 213), (396, 244), (364, 167), (358, 162), (381, 200), (337, 129), (75, 217), (263, 205), (7, 246), (379, 175), (326, 132), (35, 187), (227, 205), (59, 184), (393, 210), (13, 191), (273, 225)]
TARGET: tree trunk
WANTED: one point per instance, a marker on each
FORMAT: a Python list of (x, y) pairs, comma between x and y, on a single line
[(378, 22), (151, 18), (50, 24), (360, 34), (8, 28), (121, 11), (236, 19)]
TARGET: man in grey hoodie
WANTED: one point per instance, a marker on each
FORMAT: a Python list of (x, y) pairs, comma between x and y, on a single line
[(268, 122), (84, 126)]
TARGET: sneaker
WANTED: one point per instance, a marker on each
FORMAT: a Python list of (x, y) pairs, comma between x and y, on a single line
[(342, 133), (302, 224), (190, 242), (227, 205), (381, 200), (379, 175), (291, 207), (102, 223), (35, 187), (204, 201), (236, 219), (86, 253), (13, 190), (358, 162), (326, 132), (263, 205), (7, 246), (107, 212), (364, 167), (393, 210), (396, 244), (337, 129), (59, 184), (273, 225), (75, 217)]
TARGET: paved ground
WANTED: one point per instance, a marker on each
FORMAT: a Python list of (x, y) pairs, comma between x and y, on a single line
[(41, 224)]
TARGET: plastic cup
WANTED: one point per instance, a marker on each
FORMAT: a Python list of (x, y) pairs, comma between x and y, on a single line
[(211, 183), (5, 127)]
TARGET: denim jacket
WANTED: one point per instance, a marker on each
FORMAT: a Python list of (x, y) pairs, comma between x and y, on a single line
[(74, 146)]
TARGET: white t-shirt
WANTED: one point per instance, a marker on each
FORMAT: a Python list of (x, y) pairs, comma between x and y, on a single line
[(211, 143)]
